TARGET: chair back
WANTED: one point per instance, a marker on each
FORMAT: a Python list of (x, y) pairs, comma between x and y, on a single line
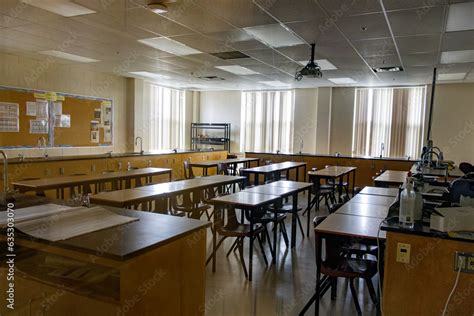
[(333, 248), (466, 167), (222, 168), (188, 170)]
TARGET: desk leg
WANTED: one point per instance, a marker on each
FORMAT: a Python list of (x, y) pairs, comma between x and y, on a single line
[(339, 187), (214, 237), (256, 179), (251, 249), (293, 220), (275, 230), (205, 171), (381, 262), (353, 181), (169, 176), (308, 210)]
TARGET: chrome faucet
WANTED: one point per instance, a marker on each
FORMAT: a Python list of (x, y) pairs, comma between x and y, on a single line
[(278, 151), (42, 143), (427, 156), (301, 144), (141, 144), (382, 149), (6, 190), (21, 157), (109, 154)]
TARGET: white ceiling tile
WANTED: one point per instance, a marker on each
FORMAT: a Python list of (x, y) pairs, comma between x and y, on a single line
[(375, 24), (458, 40), (375, 47), (383, 61), (460, 17), (274, 35), (149, 21), (411, 22), (459, 56), (338, 8), (418, 44), (423, 59), (292, 11), (421, 5)]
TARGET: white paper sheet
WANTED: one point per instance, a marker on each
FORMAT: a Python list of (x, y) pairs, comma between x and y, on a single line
[(30, 108), (38, 127), (72, 224), (41, 110), (63, 120), (58, 108), (33, 212), (9, 117)]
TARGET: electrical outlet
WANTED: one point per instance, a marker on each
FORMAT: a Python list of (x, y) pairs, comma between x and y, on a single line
[(403, 252), (61, 171), (466, 260)]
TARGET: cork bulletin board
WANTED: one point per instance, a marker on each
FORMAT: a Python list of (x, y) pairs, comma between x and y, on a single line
[(73, 120)]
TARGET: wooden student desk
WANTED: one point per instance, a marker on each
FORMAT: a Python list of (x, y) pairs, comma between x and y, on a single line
[(40, 185), (248, 202), (334, 173), (130, 197), (285, 189), (154, 266), (373, 199), (274, 169), (207, 164), (390, 178), (380, 191)]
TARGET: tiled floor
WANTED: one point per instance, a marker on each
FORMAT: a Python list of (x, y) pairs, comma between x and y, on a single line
[(280, 289)]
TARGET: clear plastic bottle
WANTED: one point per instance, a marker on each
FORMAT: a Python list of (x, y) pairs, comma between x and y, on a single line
[(418, 189), (407, 206)]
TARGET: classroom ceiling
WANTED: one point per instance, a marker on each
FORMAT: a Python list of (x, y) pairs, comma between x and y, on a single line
[(123, 37)]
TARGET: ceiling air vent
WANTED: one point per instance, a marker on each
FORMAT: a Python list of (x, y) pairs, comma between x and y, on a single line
[(230, 55), (211, 78), (388, 69)]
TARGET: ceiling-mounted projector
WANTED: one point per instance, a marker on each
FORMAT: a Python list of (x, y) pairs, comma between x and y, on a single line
[(311, 70)]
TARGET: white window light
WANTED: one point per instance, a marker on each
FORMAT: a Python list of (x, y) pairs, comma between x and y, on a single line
[(238, 70), (61, 7), (452, 76), (342, 80), (170, 46), (63, 55), (457, 56), (275, 83), (460, 17), (148, 74), (274, 35)]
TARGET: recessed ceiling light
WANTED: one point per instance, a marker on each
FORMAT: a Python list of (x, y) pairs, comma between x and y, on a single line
[(342, 80), (170, 46), (63, 55), (61, 7), (460, 17), (158, 7), (275, 83), (388, 69), (323, 63), (274, 35), (238, 70), (452, 76), (149, 74), (457, 56)]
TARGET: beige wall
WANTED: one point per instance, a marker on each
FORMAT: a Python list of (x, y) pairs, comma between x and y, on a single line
[(453, 121), (342, 113), (30, 73), (222, 107)]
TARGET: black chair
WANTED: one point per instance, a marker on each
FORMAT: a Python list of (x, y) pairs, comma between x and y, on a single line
[(466, 167), (337, 265), (227, 225), (188, 170)]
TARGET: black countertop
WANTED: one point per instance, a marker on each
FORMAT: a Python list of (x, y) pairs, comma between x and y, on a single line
[(152, 230), (420, 229), (332, 156), (105, 156)]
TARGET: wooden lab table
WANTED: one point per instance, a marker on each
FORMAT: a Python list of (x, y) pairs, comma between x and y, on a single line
[(390, 178), (334, 173), (207, 164), (274, 170), (380, 191)]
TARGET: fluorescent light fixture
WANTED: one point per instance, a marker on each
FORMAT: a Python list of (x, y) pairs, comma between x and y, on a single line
[(61, 7), (238, 70), (274, 35), (170, 46), (63, 55), (460, 17), (149, 74), (457, 56), (275, 83), (452, 76), (323, 63), (342, 80)]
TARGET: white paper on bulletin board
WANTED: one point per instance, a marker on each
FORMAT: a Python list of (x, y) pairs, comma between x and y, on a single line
[(107, 134), (38, 127), (30, 108), (106, 108), (58, 108), (95, 136), (63, 120), (41, 110), (9, 117)]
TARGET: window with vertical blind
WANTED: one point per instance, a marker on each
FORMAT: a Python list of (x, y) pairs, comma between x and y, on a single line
[(166, 118), (267, 121), (389, 117)]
